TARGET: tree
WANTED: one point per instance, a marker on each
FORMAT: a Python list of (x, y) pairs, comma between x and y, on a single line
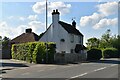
[(6, 39), (5, 42), (105, 40), (92, 43), (0, 38), (116, 42), (41, 35)]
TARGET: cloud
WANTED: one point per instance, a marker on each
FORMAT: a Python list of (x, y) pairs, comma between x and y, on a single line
[(98, 19), (32, 17), (108, 8), (39, 7), (12, 32), (90, 20), (10, 17), (8, 31), (106, 23), (37, 26), (22, 18)]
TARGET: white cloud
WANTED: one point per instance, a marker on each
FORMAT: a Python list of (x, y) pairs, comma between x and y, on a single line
[(10, 32), (37, 26), (32, 17), (98, 19), (22, 18), (39, 7), (108, 8), (11, 17), (90, 20), (106, 23)]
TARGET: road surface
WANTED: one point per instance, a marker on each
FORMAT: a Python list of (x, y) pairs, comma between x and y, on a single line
[(98, 70)]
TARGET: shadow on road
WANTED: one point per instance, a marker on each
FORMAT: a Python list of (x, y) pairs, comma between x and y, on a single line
[(13, 65), (107, 61)]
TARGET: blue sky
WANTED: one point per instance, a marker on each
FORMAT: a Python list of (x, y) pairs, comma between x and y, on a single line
[(92, 18)]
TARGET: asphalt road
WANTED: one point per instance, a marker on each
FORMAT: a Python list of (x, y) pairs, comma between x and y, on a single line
[(102, 69)]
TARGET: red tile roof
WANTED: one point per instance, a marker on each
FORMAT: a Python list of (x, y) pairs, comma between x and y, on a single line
[(26, 37)]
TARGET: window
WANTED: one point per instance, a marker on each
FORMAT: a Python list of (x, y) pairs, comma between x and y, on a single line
[(72, 50), (72, 38), (63, 51), (80, 39)]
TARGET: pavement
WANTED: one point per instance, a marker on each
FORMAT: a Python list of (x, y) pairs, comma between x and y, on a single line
[(104, 69), (10, 64)]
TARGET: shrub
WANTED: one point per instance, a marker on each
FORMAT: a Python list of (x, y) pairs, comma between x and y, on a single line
[(94, 54), (33, 52), (110, 53)]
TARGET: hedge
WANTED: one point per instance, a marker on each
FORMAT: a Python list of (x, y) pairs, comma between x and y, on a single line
[(110, 53), (34, 52), (94, 54)]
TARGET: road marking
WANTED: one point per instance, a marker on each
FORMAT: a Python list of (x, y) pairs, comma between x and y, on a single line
[(24, 68), (25, 73), (100, 69), (79, 75), (113, 65)]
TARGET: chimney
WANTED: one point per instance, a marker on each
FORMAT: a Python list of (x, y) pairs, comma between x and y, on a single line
[(55, 16), (29, 30), (74, 24)]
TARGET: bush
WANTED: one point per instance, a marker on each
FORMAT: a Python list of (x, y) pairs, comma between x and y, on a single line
[(33, 52), (94, 54), (110, 53)]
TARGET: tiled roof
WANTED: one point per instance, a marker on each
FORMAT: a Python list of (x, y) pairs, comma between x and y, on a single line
[(26, 37), (69, 28)]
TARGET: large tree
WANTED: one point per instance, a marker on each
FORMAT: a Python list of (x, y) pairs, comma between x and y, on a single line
[(92, 43), (106, 40)]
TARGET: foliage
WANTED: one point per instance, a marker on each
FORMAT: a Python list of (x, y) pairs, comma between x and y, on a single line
[(41, 35), (94, 54), (33, 52), (5, 42), (106, 41), (93, 43), (110, 53)]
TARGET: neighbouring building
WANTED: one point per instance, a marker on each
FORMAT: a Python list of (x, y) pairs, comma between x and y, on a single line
[(67, 38), (28, 36)]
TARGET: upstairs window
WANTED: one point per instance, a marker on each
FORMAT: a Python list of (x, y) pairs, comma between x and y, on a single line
[(71, 38)]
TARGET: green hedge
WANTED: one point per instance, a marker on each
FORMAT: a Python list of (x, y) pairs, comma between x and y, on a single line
[(34, 52), (94, 54), (110, 53)]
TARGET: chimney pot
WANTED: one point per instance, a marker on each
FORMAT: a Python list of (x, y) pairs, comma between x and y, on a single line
[(57, 11), (53, 12)]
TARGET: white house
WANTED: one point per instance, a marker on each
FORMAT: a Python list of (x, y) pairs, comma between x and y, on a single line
[(67, 38)]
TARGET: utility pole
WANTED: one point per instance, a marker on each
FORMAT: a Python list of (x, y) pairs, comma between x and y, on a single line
[(46, 35)]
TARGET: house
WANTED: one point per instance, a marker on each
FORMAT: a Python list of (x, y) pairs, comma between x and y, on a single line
[(28, 36), (67, 38)]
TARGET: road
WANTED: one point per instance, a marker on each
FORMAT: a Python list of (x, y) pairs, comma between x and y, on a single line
[(98, 70)]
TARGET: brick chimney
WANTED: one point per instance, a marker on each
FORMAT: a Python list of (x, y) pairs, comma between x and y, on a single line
[(29, 30), (74, 24), (55, 16)]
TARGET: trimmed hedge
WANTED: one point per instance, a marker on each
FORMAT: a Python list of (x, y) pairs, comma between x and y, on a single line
[(34, 52), (94, 54), (110, 53)]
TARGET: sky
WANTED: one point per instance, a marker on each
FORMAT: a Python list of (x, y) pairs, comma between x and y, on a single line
[(92, 18)]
